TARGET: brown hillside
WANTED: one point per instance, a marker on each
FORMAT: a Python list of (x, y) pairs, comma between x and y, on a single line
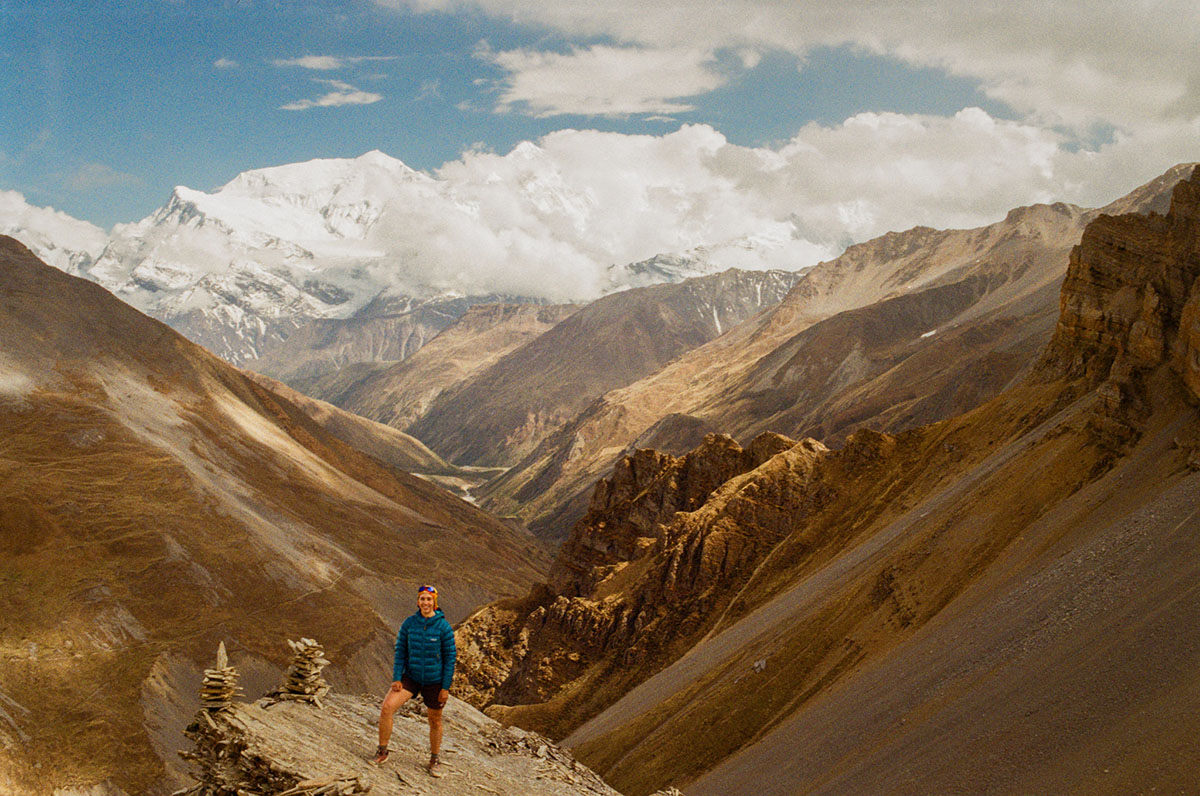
[(398, 394), (153, 501), (1000, 602), (501, 414), (384, 443), (906, 329)]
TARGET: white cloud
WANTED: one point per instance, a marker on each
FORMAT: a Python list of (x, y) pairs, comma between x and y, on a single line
[(548, 219), (342, 94), (225, 63), (1060, 62), (62, 241), (319, 62), (603, 80), (329, 62)]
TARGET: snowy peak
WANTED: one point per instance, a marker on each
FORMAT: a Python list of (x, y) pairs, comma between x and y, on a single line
[(66, 243)]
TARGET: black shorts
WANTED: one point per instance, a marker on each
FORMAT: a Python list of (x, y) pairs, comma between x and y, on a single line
[(429, 693)]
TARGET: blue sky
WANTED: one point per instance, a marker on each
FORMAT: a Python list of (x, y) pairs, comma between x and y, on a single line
[(104, 107)]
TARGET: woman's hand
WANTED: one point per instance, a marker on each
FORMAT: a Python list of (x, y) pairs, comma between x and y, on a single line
[(397, 686), (443, 698)]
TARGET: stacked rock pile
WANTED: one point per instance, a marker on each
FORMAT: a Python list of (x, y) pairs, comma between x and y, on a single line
[(303, 680), (219, 686)]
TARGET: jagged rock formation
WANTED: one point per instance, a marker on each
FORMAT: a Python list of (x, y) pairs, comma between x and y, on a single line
[(666, 540), (1129, 300), (999, 601)]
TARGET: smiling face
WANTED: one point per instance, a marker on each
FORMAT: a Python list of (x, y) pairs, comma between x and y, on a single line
[(425, 603)]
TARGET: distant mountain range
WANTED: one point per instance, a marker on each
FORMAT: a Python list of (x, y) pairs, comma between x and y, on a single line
[(1000, 601), (357, 242)]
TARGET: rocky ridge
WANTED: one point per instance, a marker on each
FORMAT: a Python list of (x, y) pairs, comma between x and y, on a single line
[(903, 330), (152, 499), (498, 415), (853, 559)]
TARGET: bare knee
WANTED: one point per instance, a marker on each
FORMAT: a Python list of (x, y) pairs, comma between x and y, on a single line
[(435, 718), (392, 702)]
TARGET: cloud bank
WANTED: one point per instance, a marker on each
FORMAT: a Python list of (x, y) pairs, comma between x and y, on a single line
[(549, 219), (603, 81), (1069, 63)]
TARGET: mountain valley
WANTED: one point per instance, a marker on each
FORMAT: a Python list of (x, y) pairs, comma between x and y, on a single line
[(918, 519), (996, 601), (154, 500)]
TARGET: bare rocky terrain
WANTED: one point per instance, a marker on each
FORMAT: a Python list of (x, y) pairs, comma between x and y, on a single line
[(274, 747), (500, 413), (154, 499), (997, 602), (906, 329)]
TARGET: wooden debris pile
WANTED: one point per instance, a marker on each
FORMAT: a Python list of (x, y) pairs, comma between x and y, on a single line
[(303, 680), (219, 686)]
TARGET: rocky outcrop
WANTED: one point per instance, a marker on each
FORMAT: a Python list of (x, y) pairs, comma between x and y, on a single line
[(630, 509), (299, 749), (1129, 302), (661, 554)]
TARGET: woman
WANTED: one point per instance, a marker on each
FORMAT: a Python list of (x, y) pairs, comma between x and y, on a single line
[(424, 665)]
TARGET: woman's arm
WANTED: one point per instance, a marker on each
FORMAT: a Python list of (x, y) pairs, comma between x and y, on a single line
[(449, 655)]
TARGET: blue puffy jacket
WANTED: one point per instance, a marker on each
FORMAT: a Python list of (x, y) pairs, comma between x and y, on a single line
[(425, 650)]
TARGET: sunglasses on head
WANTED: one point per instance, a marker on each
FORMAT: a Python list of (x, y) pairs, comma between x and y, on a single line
[(429, 589)]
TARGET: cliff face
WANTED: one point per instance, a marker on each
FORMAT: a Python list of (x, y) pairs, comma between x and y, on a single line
[(659, 560), (912, 610), (1128, 302)]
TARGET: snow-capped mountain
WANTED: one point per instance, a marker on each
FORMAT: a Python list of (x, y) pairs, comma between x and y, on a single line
[(66, 243), (241, 268), (272, 249)]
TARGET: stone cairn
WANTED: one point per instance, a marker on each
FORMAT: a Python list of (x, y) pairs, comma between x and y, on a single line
[(230, 761), (219, 686), (303, 680)]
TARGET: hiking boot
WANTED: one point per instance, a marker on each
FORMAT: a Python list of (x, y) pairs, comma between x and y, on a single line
[(435, 766), (381, 755)]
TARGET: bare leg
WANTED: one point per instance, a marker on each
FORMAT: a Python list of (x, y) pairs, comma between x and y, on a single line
[(435, 730), (391, 703)]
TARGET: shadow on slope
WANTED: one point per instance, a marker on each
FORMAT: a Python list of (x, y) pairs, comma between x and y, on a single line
[(154, 499)]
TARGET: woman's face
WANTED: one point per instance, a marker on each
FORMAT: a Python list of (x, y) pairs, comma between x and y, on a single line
[(425, 603)]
